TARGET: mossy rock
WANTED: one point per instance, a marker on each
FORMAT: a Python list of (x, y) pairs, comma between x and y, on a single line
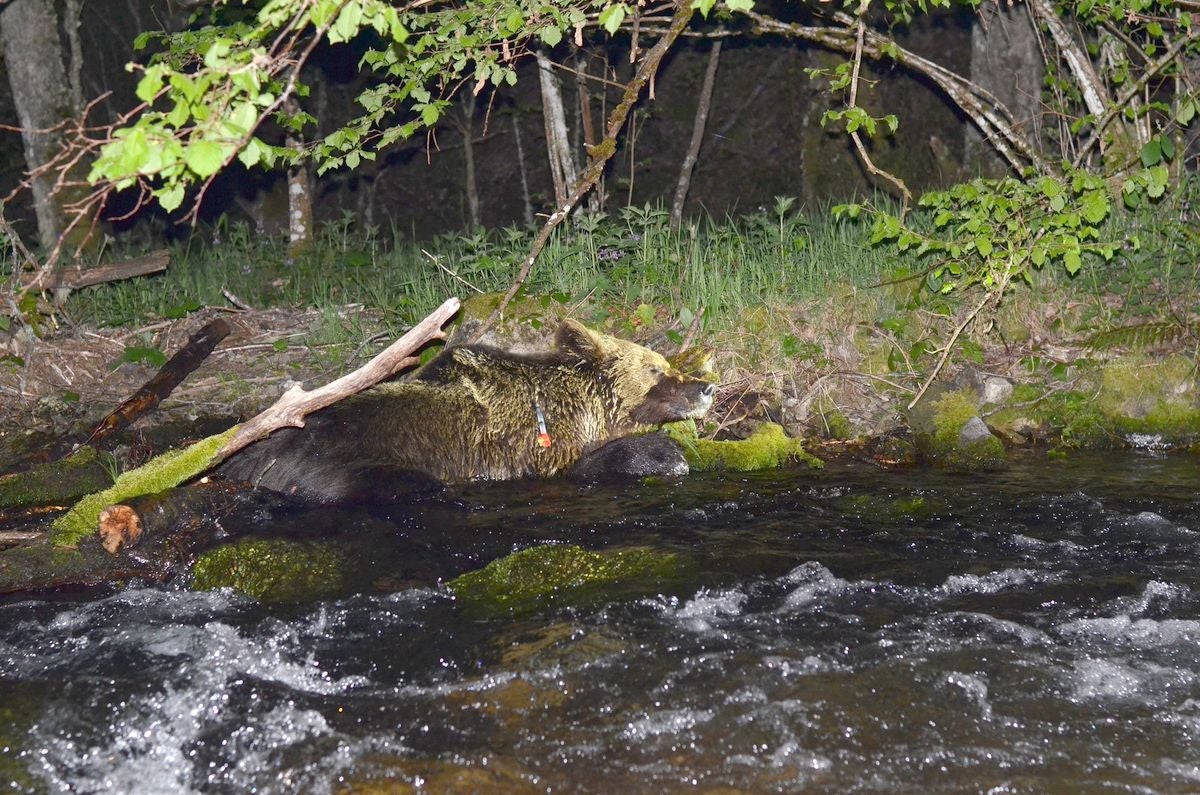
[(273, 570), (768, 447), (533, 578), (1153, 398), (950, 434)]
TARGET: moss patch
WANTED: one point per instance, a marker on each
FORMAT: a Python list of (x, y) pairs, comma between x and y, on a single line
[(560, 574), (160, 473), (943, 424), (272, 570), (84, 471), (769, 447)]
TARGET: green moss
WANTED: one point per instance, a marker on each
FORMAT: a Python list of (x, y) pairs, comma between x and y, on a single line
[(1142, 396), (943, 443), (272, 570), (532, 578), (160, 473), (767, 448), (85, 470)]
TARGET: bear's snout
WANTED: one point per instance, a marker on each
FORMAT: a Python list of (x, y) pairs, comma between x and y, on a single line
[(675, 398)]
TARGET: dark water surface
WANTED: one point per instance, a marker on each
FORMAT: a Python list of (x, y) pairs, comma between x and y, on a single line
[(1034, 631)]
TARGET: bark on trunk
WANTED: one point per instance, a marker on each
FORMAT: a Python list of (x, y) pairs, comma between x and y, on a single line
[(558, 143), (1006, 60), (693, 150), (33, 55), (300, 203)]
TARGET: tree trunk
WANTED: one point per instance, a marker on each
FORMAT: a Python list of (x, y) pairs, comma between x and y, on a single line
[(698, 125), (300, 203), (468, 132), (527, 202), (1006, 60), (558, 144), (33, 55)]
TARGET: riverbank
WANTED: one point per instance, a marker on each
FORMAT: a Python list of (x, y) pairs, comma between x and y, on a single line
[(822, 371)]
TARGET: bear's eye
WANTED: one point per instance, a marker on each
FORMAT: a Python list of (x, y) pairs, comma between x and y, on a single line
[(655, 370)]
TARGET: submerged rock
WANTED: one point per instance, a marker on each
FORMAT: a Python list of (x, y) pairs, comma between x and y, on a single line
[(532, 578), (272, 570)]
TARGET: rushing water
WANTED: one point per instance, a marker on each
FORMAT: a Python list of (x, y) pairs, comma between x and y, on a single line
[(1032, 631)]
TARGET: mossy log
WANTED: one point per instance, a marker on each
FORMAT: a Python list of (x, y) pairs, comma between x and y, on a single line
[(172, 527), (82, 472)]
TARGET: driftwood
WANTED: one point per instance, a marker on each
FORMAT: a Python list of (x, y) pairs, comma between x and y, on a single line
[(297, 402), (74, 278), (167, 512), (169, 376)]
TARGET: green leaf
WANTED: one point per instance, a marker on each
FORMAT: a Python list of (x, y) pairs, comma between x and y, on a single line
[(1152, 152), (740, 5), (550, 36), (170, 198), (1072, 261), (612, 16), (204, 157), (430, 115), (151, 83)]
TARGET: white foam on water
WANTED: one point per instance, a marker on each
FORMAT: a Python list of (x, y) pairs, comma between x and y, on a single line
[(976, 690), (813, 582), (1093, 678), (665, 722), (708, 608), (1032, 544), (1141, 633), (149, 744), (996, 581)]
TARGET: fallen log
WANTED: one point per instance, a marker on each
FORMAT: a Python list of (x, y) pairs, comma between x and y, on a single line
[(169, 376), (82, 472), (75, 278)]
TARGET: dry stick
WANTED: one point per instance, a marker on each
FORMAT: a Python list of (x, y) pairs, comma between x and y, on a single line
[(701, 121), (600, 154), (297, 402), (937, 368)]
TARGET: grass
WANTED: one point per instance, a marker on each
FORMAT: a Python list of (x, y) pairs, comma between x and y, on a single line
[(769, 277), (635, 258)]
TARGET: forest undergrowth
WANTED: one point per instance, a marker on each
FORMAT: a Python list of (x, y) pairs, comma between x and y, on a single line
[(812, 325)]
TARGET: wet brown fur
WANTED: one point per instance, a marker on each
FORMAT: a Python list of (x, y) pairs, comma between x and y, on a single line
[(470, 414)]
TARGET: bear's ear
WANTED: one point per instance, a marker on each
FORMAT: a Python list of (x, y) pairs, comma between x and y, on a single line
[(574, 337)]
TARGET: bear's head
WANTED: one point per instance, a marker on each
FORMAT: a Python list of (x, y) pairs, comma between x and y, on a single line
[(646, 389)]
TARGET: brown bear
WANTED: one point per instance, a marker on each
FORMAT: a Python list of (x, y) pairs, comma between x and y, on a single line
[(479, 413)]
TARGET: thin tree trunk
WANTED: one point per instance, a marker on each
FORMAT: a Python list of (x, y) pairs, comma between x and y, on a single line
[(558, 144), (585, 122), (300, 201), (468, 130), (693, 150), (33, 55), (528, 203)]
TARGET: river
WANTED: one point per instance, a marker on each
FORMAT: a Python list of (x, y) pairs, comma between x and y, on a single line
[(853, 630)]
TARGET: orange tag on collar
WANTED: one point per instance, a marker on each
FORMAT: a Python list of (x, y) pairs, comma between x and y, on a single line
[(544, 439)]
